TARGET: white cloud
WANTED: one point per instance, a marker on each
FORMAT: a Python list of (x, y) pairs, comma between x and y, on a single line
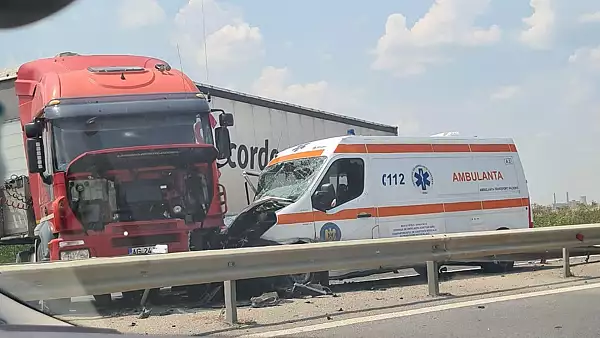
[(589, 17), (504, 93), (540, 24), (230, 40), (407, 51), (233, 43), (273, 83), (587, 57), (140, 13)]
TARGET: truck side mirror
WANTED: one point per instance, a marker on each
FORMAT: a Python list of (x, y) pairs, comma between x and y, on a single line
[(33, 129), (35, 156), (323, 198), (226, 120), (223, 142)]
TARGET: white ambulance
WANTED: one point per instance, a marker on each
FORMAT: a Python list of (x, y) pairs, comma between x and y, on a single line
[(360, 187)]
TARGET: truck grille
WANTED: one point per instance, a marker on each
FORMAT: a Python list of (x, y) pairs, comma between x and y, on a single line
[(134, 241), (136, 228)]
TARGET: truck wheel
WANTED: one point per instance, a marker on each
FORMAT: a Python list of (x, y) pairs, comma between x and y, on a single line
[(103, 300), (24, 256), (497, 267)]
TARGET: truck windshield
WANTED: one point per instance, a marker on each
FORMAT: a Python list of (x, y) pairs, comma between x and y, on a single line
[(289, 179), (75, 136)]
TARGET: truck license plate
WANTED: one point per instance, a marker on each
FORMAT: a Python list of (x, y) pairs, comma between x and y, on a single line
[(142, 250)]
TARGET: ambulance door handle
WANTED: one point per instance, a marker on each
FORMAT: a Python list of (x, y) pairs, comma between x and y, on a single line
[(363, 215)]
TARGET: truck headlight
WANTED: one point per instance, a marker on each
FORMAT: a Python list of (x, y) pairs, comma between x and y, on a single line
[(72, 255)]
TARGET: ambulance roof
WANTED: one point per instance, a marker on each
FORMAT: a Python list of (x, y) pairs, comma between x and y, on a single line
[(395, 144)]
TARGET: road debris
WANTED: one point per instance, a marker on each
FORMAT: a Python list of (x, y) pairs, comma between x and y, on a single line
[(265, 300)]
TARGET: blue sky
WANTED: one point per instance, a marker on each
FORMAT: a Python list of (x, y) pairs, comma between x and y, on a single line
[(515, 68)]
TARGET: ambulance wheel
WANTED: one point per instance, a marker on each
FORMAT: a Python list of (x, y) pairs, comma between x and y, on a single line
[(497, 267), (312, 278)]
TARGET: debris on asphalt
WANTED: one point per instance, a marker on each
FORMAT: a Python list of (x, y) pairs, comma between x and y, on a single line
[(265, 300), (145, 313), (311, 289)]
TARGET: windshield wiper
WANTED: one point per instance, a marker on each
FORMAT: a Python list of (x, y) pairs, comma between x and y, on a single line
[(246, 174)]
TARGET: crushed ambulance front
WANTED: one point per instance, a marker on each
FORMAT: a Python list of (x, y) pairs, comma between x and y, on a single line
[(282, 211)]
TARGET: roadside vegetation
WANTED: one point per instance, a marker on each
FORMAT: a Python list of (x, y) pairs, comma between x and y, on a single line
[(544, 216)]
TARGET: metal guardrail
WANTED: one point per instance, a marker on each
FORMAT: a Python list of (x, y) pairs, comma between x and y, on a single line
[(106, 275)]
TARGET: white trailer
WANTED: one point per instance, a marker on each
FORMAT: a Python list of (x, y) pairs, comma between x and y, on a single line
[(263, 127)]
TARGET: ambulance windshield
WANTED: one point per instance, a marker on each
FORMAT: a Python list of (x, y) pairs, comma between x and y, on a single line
[(289, 179)]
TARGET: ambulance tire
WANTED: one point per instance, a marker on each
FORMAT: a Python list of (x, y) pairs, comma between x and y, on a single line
[(497, 267), (312, 278)]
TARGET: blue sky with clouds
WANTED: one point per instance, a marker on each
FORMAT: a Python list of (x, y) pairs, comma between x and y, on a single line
[(516, 68)]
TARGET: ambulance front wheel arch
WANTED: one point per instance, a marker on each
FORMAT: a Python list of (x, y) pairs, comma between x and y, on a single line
[(498, 266)]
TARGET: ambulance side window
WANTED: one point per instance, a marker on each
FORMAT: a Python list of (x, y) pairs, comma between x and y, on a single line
[(347, 176)]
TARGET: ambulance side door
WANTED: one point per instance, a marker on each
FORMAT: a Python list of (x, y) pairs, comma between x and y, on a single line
[(406, 191), (352, 214)]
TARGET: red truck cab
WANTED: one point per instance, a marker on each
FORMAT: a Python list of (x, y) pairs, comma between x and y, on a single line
[(121, 155)]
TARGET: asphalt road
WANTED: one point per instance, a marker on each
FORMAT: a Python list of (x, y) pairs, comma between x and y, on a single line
[(568, 314)]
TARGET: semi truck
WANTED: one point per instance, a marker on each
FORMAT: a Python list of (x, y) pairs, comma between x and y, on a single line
[(110, 155)]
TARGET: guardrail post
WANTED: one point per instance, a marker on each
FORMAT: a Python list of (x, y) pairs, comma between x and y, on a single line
[(230, 302), (433, 278), (566, 263)]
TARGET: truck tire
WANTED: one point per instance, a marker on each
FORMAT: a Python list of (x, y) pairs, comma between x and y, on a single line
[(28, 256), (25, 256)]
